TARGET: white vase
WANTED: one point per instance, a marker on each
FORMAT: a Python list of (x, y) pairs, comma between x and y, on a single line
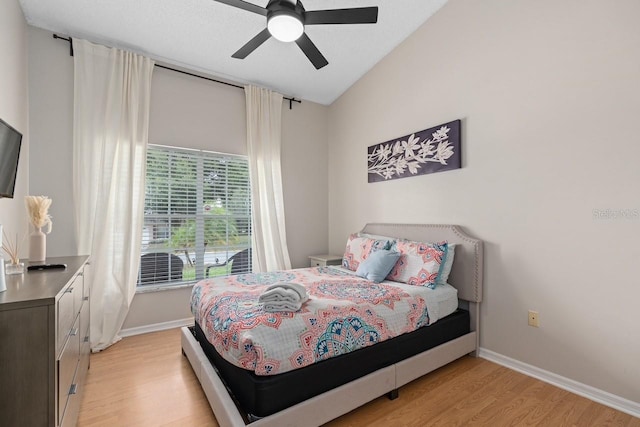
[(37, 246)]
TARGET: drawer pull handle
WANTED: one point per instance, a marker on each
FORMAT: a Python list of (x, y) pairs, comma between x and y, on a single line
[(73, 332), (68, 291), (73, 389), (85, 299), (81, 274)]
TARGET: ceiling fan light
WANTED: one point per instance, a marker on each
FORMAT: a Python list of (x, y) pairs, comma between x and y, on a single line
[(285, 27)]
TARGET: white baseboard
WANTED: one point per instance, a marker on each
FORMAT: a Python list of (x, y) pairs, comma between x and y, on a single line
[(156, 327), (592, 393)]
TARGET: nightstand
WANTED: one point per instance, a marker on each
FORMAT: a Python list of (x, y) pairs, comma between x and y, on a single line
[(324, 260)]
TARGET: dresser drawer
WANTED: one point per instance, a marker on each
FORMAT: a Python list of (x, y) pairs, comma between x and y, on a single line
[(67, 367), (70, 418), (68, 307), (86, 286), (70, 415), (83, 364), (85, 311)]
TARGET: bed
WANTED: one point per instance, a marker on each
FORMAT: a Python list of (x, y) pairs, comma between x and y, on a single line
[(315, 394)]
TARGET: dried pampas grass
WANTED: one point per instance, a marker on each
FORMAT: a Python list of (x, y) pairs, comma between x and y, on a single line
[(38, 209)]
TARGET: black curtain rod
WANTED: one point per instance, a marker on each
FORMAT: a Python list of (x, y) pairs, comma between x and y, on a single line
[(291, 100)]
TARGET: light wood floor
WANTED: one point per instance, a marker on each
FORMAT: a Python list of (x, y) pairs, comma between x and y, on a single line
[(145, 381)]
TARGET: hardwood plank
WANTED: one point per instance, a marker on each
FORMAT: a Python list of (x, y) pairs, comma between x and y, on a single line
[(145, 380), (505, 392), (442, 399), (611, 417), (436, 388), (481, 400), (567, 411)]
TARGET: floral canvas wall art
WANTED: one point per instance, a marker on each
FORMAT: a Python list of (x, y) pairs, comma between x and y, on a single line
[(436, 149)]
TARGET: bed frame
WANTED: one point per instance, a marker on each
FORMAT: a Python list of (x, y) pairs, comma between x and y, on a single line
[(466, 276)]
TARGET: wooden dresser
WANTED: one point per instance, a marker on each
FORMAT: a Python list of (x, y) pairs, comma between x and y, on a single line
[(44, 344)]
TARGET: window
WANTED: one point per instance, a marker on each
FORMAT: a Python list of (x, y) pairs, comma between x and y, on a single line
[(197, 216)]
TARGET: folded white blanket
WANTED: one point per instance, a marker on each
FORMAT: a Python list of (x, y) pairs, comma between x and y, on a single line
[(284, 292), (279, 295), (283, 296), (274, 307)]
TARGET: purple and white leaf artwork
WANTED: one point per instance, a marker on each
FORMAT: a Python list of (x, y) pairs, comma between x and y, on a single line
[(436, 149)]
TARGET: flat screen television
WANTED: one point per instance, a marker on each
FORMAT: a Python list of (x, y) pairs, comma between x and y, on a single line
[(10, 141)]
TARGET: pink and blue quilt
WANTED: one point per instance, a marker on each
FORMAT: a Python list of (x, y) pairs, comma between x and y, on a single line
[(344, 313)]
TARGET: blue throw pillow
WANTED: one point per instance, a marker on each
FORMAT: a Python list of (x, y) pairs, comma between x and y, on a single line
[(447, 263), (378, 265)]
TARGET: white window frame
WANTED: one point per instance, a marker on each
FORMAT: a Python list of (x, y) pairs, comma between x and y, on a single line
[(204, 211)]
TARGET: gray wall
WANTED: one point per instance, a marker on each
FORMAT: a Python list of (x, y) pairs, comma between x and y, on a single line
[(14, 110), (187, 112), (549, 96), (51, 129)]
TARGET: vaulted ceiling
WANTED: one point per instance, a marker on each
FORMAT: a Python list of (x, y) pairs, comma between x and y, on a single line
[(201, 35)]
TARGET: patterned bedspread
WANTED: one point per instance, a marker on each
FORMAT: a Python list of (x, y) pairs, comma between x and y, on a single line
[(344, 313)]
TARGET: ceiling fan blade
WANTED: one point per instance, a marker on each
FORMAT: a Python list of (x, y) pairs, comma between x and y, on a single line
[(245, 5), (312, 52), (358, 15), (252, 44)]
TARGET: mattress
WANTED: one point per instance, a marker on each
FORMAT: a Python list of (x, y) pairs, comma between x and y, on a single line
[(261, 396), (344, 313)]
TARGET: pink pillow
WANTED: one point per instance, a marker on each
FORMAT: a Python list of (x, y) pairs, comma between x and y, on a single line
[(419, 263), (359, 248)]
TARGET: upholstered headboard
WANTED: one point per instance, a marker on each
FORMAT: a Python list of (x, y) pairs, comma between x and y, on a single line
[(466, 273)]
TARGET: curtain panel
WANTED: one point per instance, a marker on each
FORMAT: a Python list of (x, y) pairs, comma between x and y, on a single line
[(264, 123), (110, 134)]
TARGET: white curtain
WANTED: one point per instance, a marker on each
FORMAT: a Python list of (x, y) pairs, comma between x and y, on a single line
[(110, 129), (264, 122)]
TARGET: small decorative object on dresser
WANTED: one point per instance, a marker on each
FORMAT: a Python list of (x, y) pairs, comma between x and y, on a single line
[(12, 249), (324, 260), (38, 209), (14, 268)]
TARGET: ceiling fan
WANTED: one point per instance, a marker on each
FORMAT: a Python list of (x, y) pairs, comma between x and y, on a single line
[(286, 20)]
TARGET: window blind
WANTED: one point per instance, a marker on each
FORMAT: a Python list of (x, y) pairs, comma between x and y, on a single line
[(197, 215)]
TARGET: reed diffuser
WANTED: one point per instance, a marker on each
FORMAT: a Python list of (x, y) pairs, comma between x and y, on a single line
[(38, 210), (12, 249)]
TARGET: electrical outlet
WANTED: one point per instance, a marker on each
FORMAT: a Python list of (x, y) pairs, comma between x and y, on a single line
[(534, 319)]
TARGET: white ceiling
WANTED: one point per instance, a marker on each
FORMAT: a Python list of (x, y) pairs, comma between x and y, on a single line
[(201, 35)]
